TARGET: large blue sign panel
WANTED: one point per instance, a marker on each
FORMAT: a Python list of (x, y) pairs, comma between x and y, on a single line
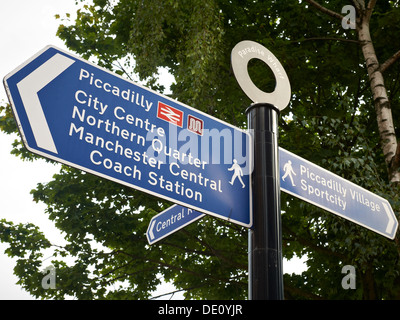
[(74, 112), (331, 192)]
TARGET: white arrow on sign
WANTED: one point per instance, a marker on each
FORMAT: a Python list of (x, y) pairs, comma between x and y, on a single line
[(151, 233), (392, 221), (29, 88)]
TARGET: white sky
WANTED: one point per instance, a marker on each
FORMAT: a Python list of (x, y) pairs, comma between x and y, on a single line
[(26, 27)]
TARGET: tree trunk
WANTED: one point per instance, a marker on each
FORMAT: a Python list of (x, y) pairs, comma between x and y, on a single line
[(369, 286), (390, 148), (381, 101)]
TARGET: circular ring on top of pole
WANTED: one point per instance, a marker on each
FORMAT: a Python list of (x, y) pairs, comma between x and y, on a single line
[(242, 53)]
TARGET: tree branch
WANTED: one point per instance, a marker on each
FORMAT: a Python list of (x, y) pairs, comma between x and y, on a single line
[(176, 291), (370, 9), (384, 66), (327, 39), (188, 250), (310, 244), (217, 253), (325, 10), (168, 265), (293, 291), (359, 5)]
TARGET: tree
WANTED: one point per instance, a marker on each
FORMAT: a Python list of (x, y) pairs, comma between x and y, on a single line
[(338, 118)]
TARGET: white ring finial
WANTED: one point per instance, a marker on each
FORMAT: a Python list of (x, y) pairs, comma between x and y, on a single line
[(242, 53)]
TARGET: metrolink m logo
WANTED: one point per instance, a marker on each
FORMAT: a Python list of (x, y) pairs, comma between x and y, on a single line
[(195, 125)]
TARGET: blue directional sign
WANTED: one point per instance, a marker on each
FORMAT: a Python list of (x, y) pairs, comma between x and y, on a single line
[(169, 221), (328, 191), (79, 114)]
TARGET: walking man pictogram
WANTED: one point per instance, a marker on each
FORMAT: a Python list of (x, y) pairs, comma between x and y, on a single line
[(288, 172), (237, 173)]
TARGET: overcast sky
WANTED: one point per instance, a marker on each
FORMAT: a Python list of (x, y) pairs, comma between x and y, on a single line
[(27, 26)]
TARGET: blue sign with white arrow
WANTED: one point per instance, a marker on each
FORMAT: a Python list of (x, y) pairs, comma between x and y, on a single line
[(79, 114), (169, 221), (313, 184)]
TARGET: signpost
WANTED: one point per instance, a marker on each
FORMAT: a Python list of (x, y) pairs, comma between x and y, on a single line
[(169, 221), (79, 114), (313, 184), (290, 173), (265, 238)]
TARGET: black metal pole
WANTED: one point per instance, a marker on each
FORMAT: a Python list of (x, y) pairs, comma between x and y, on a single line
[(265, 238)]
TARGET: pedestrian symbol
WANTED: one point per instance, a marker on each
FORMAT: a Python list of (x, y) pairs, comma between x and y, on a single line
[(288, 172), (237, 173)]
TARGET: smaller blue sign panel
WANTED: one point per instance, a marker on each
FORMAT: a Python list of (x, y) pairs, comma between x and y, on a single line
[(169, 221), (331, 192)]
